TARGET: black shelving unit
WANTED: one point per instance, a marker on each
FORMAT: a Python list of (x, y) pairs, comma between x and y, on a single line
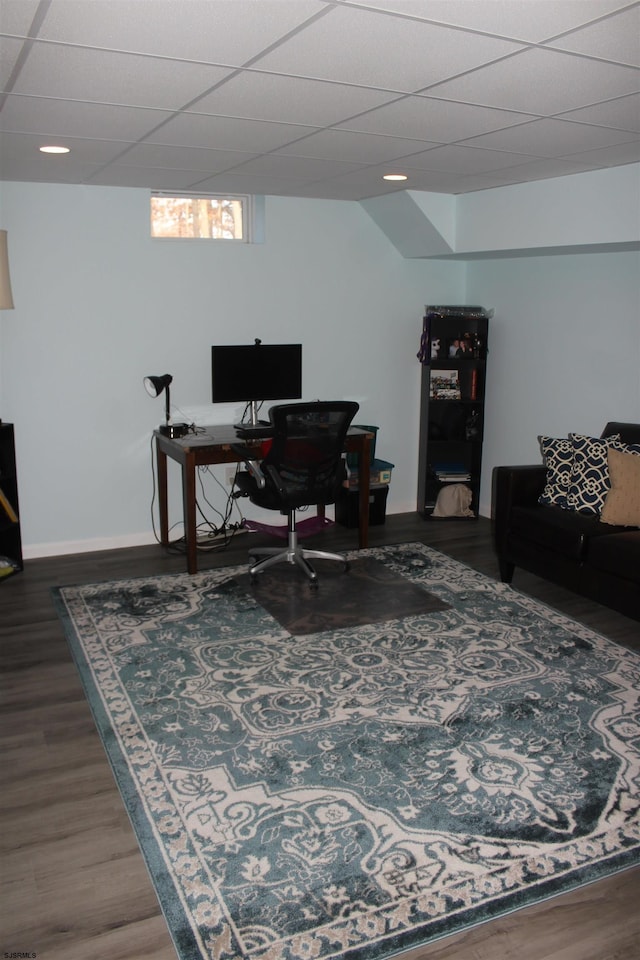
[(10, 539), (454, 354)]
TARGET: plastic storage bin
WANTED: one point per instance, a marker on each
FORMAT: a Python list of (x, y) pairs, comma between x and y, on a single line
[(380, 472), (352, 458), (348, 506)]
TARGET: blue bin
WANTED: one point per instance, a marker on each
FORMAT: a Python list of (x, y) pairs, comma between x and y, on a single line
[(352, 458)]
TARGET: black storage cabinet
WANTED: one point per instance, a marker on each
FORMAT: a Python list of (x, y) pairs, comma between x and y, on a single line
[(452, 418), (10, 539)]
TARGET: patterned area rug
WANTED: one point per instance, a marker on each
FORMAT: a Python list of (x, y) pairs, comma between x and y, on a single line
[(362, 790)]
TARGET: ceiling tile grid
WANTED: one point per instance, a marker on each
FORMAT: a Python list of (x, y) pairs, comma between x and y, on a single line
[(317, 98)]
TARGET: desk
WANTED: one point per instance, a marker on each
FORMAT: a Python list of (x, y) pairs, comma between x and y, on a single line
[(214, 444)]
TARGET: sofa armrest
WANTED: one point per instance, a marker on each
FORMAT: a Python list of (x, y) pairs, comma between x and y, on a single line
[(519, 485)]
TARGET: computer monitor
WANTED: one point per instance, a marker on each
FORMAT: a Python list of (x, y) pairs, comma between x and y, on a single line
[(251, 373)]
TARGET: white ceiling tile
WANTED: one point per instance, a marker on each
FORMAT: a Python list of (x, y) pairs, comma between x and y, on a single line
[(614, 156), (296, 168), (616, 39), (289, 99), (369, 183), (464, 160), (151, 178), (59, 71), (544, 168), (16, 16), (21, 159), (213, 31), (551, 138), (316, 97), (171, 156), (91, 151), (527, 20), (360, 46), (235, 183), (622, 114), (541, 81), (229, 133), (431, 119), (74, 118), (34, 170), (9, 52), (358, 147)]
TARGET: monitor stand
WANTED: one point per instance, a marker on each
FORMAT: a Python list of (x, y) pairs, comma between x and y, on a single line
[(254, 427)]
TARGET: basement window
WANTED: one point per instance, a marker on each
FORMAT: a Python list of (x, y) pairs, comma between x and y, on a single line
[(206, 217)]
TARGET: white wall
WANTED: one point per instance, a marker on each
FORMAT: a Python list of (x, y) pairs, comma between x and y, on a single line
[(99, 305), (596, 207), (564, 350)]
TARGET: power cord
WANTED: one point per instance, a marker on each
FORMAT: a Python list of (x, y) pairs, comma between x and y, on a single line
[(209, 535)]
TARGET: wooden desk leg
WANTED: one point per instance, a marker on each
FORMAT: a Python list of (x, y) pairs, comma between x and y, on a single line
[(161, 470), (189, 511), (363, 479)]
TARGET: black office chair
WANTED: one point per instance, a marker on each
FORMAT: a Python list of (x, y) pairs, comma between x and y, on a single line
[(304, 466)]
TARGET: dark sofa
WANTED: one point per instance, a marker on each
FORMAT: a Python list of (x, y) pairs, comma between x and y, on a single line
[(576, 550)]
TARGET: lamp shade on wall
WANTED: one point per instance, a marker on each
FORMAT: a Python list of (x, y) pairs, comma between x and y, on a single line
[(6, 297)]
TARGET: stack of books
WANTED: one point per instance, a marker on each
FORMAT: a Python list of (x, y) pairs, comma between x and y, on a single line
[(451, 473)]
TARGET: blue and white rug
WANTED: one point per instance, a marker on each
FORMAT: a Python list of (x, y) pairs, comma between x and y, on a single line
[(358, 791)]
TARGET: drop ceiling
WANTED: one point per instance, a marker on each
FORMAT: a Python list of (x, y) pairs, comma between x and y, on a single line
[(311, 98)]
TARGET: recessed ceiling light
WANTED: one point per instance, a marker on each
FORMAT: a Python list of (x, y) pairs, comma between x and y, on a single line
[(53, 149), (394, 176)]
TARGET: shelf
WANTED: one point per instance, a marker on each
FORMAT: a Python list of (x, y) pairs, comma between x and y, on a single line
[(10, 537), (452, 427)]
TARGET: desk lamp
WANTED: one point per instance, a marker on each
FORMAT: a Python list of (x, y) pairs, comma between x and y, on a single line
[(154, 387), (6, 299)]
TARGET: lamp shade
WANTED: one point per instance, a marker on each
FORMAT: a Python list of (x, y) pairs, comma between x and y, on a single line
[(6, 298), (155, 385)]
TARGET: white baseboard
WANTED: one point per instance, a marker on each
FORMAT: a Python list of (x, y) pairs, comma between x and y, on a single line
[(35, 550)]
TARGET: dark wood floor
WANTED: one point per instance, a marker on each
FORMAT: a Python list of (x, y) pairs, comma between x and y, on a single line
[(74, 885)]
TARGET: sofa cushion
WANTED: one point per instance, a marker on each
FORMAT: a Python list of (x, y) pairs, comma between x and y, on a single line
[(617, 555), (557, 454), (589, 483), (622, 504), (564, 531)]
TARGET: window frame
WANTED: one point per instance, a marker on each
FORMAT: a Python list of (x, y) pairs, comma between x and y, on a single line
[(246, 206)]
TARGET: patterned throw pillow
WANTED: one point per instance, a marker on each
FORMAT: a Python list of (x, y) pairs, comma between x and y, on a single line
[(589, 483), (622, 505), (557, 455)]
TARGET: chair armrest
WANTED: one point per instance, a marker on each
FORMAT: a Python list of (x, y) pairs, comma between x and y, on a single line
[(519, 485), (253, 465), (276, 480)]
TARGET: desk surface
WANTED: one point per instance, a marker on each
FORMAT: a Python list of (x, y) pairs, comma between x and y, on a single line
[(224, 434)]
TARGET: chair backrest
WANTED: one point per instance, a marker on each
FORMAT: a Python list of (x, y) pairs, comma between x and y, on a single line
[(306, 450)]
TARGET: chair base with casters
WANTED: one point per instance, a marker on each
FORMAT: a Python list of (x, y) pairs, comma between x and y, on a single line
[(264, 557), (302, 467)]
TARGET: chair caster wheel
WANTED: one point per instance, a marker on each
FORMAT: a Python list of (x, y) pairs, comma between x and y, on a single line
[(347, 566), (313, 585)]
